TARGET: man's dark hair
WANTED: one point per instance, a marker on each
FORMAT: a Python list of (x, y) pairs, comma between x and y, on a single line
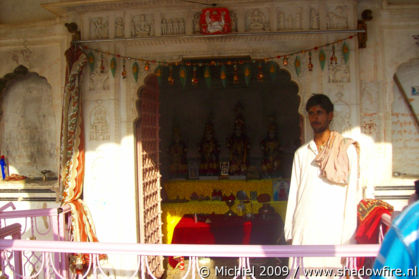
[(417, 187), (320, 100)]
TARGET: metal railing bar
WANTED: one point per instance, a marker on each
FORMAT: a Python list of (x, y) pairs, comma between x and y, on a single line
[(254, 251)]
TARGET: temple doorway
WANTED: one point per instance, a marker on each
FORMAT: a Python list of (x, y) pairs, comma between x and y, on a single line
[(189, 100)]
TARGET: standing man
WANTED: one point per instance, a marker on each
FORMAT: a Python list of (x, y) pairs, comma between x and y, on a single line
[(324, 192)]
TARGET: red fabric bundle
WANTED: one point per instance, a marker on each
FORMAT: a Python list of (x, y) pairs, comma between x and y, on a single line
[(369, 215)]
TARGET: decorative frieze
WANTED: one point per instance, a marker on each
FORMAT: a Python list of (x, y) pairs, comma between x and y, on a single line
[(172, 26), (119, 27), (256, 20), (142, 25), (99, 28), (314, 18), (337, 17), (290, 19)]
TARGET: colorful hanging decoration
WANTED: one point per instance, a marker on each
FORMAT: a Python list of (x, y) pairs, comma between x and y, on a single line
[(285, 61), (91, 61), (135, 70), (310, 65), (146, 66), (113, 66), (215, 21), (297, 64), (345, 52), (273, 69), (102, 66), (322, 59), (182, 75), (124, 71), (158, 74), (194, 79), (260, 74), (235, 74), (207, 76), (170, 78), (333, 58), (247, 74), (271, 65), (223, 76)]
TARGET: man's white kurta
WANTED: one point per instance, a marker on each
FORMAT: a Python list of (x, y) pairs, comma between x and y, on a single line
[(319, 212)]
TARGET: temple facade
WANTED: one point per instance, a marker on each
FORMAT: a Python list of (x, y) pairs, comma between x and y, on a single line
[(353, 51)]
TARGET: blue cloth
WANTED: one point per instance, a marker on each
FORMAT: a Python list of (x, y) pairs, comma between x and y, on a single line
[(3, 166), (399, 252)]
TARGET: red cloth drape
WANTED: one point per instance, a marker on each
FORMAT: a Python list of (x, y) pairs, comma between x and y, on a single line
[(72, 153), (369, 221)]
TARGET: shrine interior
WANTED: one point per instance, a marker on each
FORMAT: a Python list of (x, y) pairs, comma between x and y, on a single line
[(268, 102)]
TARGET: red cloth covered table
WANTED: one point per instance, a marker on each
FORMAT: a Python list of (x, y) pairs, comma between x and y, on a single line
[(226, 230), (221, 230)]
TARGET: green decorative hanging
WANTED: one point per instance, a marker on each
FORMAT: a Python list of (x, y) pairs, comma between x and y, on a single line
[(158, 73), (297, 64), (113, 66), (91, 61), (135, 70), (223, 76), (273, 70), (207, 76), (182, 75), (247, 74), (322, 59), (345, 52)]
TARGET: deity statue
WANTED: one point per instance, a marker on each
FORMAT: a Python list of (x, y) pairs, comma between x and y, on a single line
[(209, 150), (271, 150), (238, 144), (177, 151)]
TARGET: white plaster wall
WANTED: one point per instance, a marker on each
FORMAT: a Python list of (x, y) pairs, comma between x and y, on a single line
[(390, 44)]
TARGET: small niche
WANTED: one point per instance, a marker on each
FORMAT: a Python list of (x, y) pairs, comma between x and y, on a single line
[(28, 125)]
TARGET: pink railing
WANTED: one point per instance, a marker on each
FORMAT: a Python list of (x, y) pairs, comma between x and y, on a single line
[(244, 253), (57, 223), (11, 231)]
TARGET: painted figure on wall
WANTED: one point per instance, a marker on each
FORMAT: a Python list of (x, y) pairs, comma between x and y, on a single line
[(209, 150), (238, 144), (178, 159), (271, 150)]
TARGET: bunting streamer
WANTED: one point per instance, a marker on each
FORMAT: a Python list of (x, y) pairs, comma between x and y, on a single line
[(322, 59), (273, 69), (135, 70), (257, 71), (297, 65), (345, 52), (223, 76), (158, 74), (113, 66), (91, 61), (207, 76), (247, 74), (182, 76)]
